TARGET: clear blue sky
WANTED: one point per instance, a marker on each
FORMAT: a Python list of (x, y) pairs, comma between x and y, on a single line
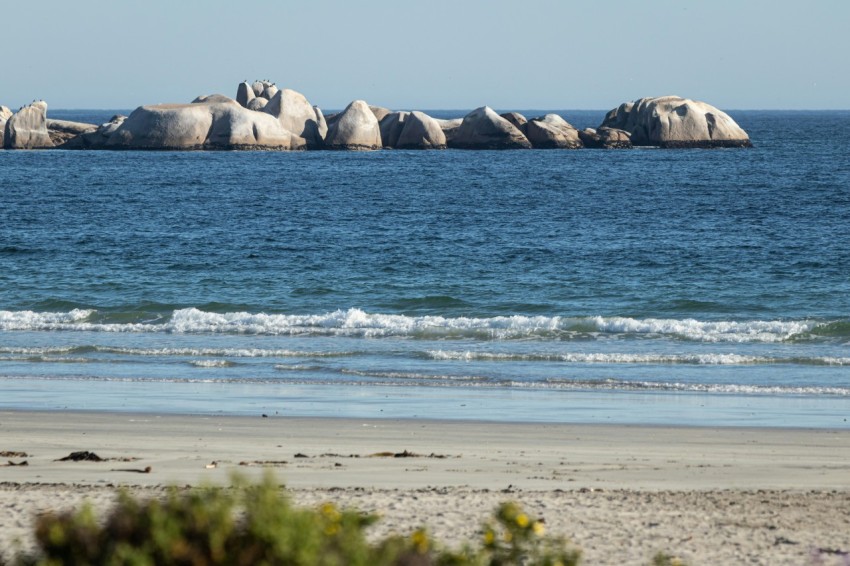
[(457, 54)]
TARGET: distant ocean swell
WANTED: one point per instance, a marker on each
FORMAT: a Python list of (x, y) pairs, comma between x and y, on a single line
[(357, 323)]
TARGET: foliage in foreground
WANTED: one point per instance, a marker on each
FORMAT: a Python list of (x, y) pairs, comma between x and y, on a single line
[(258, 525)]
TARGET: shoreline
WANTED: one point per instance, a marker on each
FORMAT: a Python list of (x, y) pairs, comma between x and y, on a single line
[(621, 493)]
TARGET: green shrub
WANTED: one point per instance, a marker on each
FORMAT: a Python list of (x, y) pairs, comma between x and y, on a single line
[(258, 525)]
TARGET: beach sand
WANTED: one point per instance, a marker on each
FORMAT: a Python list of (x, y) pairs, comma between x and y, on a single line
[(620, 493)]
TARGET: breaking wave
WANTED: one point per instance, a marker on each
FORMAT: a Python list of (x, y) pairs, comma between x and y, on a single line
[(358, 323)]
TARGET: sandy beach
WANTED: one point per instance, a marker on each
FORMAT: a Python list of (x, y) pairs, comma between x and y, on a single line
[(707, 495)]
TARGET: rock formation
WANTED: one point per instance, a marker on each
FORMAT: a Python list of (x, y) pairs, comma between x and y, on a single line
[(450, 128), (516, 119), (380, 112), (391, 126), (217, 125), (97, 138), (605, 138), (63, 131), (244, 94), (270, 91), (420, 131), (296, 115), (484, 129), (672, 121), (210, 98), (5, 114), (355, 128), (320, 120), (27, 128), (552, 132), (257, 104)]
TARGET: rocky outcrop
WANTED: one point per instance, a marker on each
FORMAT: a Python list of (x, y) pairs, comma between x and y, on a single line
[(484, 129), (213, 98), (552, 132), (27, 128), (420, 131), (5, 114), (97, 138), (380, 112), (517, 119), (201, 126), (270, 91), (63, 131), (391, 127), (450, 128), (605, 138), (296, 115), (244, 94), (320, 120), (675, 122), (259, 87), (355, 128), (257, 104)]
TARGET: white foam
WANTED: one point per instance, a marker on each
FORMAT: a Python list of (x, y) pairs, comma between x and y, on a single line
[(602, 358), (211, 363), (357, 323)]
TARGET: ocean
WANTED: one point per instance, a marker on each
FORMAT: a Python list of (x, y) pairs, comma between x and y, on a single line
[(645, 286)]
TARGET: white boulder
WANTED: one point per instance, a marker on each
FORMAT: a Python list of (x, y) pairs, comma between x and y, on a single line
[(552, 132), (244, 94), (420, 131), (356, 128), (391, 126), (484, 129), (672, 121), (27, 128), (296, 114), (201, 126)]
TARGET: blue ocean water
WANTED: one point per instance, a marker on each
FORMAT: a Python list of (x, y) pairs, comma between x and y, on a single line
[(695, 287)]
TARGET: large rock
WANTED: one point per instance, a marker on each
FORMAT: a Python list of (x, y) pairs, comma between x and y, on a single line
[(27, 128), (420, 131), (552, 132), (201, 126), (5, 114), (244, 94), (270, 91), (356, 128), (97, 138), (672, 121), (605, 138), (63, 131), (258, 87), (320, 120), (296, 115), (450, 128), (380, 112), (516, 119), (257, 104), (391, 127), (484, 129), (213, 98)]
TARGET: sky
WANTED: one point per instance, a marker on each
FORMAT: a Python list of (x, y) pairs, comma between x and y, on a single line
[(439, 54)]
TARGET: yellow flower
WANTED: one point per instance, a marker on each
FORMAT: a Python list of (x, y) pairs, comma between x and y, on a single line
[(420, 541), (522, 520), (538, 528), (489, 537), (330, 512)]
